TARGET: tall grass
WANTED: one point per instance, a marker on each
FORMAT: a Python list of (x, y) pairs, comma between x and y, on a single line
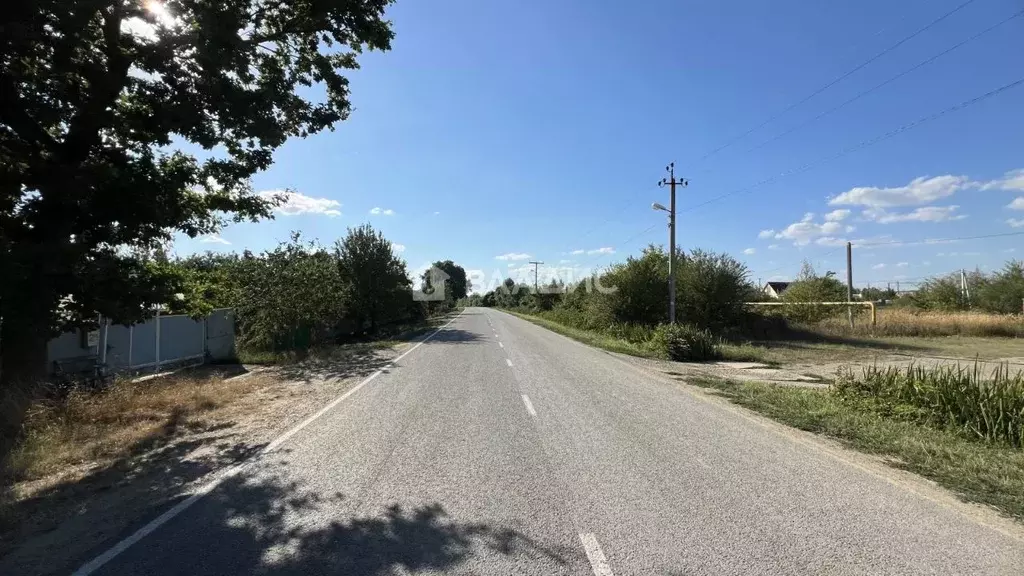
[(989, 407), (906, 322)]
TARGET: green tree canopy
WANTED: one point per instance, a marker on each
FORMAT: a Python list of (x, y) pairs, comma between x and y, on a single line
[(96, 96), (374, 278)]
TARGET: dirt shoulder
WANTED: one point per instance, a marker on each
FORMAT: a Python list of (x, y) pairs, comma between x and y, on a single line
[(70, 508)]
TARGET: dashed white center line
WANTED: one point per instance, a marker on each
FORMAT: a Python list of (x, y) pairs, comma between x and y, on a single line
[(501, 344), (597, 560), (529, 405), (507, 361)]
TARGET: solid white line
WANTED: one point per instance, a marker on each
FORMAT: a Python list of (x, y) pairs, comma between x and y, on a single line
[(219, 477), (507, 361), (501, 345), (595, 555), (529, 405)]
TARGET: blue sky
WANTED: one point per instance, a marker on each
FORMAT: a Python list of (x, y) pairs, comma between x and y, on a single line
[(497, 133)]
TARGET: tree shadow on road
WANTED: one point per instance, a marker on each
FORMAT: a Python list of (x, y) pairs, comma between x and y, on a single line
[(272, 527)]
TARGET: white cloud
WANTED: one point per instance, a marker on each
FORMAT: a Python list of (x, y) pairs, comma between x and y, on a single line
[(436, 213), (577, 252), (766, 234), (1017, 204), (773, 246), (837, 215), (902, 264), (806, 230), (604, 250), (923, 214), (513, 256), (566, 261), (1016, 222), (749, 251), (1012, 180), (878, 267), (1009, 251), (296, 204), (377, 210), (919, 191), (398, 248), (214, 239)]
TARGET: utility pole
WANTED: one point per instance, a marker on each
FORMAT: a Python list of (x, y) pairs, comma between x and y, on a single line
[(849, 281), (535, 264), (672, 182)]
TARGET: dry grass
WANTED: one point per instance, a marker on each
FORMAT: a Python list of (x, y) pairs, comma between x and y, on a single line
[(94, 428), (907, 322)]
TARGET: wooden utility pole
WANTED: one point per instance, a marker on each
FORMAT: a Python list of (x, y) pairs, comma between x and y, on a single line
[(849, 281), (672, 182), (535, 264)]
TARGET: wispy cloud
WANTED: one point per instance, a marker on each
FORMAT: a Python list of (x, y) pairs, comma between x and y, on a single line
[(903, 264), (1017, 204), (214, 239), (773, 246), (1012, 180), (923, 214), (513, 256), (295, 204), (878, 267), (766, 233), (1016, 222), (604, 250), (919, 191), (378, 211), (806, 230), (837, 215), (398, 248), (577, 252), (750, 251)]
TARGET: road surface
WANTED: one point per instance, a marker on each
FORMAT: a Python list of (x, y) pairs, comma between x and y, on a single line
[(497, 447)]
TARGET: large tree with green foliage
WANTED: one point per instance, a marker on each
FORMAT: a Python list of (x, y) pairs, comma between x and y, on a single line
[(375, 280), (97, 97)]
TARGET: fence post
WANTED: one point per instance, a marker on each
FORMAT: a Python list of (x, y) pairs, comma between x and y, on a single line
[(157, 365), (131, 344)]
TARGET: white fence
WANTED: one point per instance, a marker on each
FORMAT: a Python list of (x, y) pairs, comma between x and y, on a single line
[(160, 341)]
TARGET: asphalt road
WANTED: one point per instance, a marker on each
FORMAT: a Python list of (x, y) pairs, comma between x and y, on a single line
[(498, 447)]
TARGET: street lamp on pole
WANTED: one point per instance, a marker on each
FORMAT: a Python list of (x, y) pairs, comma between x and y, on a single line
[(671, 182)]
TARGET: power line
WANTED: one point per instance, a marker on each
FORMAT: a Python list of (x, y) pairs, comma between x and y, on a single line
[(836, 80), (863, 144), (936, 240), (885, 83)]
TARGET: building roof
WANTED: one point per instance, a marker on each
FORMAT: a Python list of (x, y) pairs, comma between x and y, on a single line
[(778, 286)]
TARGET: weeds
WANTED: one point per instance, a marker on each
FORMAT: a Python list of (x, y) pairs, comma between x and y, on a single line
[(93, 427), (959, 398), (985, 472), (904, 322)]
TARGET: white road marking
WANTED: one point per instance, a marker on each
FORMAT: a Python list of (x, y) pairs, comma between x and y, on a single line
[(529, 405), (217, 478), (507, 361), (501, 345), (595, 555)]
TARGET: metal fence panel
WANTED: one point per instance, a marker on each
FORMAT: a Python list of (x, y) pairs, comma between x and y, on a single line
[(139, 346), (143, 343), (181, 338), (220, 334)]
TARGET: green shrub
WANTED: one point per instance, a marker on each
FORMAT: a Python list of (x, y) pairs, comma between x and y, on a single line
[(960, 398), (686, 343)]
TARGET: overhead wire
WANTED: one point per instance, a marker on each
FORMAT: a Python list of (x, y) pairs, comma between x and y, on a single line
[(835, 81), (886, 82), (861, 145)]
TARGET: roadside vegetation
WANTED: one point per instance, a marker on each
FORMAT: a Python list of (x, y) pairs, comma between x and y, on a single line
[(957, 427), (961, 427)]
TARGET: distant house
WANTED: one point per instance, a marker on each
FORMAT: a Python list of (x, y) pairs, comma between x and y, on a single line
[(775, 289)]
